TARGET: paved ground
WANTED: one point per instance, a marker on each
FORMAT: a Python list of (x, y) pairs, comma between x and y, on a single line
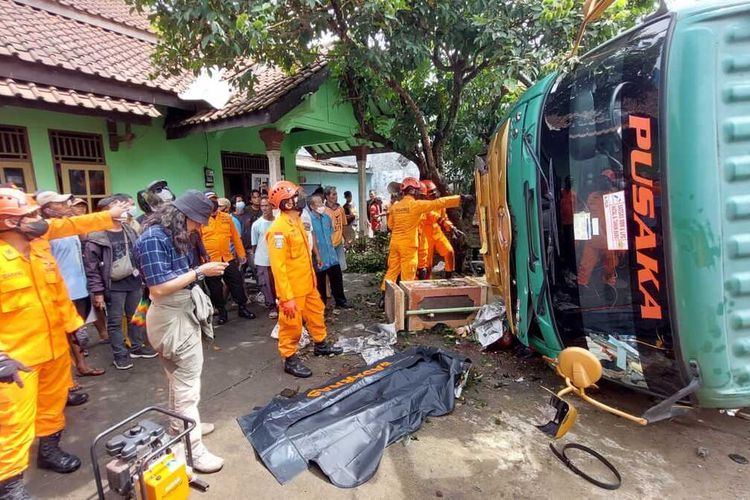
[(488, 447)]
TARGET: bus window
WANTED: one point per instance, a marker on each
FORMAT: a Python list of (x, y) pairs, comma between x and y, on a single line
[(600, 134)]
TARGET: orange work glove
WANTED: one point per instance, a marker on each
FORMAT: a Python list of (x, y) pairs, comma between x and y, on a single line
[(289, 308)]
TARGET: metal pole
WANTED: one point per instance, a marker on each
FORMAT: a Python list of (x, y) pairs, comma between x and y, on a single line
[(419, 312)]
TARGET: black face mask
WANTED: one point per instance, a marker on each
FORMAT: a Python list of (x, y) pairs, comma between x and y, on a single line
[(301, 203), (292, 205), (32, 230)]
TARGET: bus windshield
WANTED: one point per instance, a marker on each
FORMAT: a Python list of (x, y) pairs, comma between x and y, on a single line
[(600, 144)]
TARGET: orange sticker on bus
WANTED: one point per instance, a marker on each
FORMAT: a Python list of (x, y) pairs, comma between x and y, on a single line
[(643, 205)]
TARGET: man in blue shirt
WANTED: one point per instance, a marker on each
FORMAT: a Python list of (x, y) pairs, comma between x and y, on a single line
[(325, 258), (165, 259)]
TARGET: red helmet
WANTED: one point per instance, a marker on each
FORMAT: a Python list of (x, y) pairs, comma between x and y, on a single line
[(15, 203), (410, 183), (281, 191)]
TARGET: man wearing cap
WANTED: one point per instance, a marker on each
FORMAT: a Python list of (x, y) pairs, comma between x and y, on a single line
[(116, 285), (180, 311), (294, 279), (217, 236), (35, 318)]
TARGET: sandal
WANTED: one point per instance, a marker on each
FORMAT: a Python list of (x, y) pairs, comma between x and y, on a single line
[(77, 387), (92, 372)]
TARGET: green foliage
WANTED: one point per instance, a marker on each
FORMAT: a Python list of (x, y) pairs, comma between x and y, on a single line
[(428, 78), (368, 255)]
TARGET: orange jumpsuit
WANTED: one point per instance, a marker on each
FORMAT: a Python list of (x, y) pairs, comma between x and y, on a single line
[(294, 278), (403, 220), (216, 236), (432, 237), (36, 314)]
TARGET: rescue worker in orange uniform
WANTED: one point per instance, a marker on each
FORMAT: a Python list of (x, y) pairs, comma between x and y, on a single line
[(36, 314), (403, 221), (216, 237), (294, 277), (432, 229)]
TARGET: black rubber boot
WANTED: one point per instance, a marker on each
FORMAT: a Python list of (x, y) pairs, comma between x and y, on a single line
[(244, 313), (223, 316), (76, 398), (422, 273), (381, 303), (13, 489), (51, 457), (293, 366), (325, 348)]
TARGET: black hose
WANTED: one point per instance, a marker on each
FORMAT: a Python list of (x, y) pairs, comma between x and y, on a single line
[(564, 459)]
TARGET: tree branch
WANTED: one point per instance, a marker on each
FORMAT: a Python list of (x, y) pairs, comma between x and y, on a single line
[(525, 79), (476, 70), (419, 119)]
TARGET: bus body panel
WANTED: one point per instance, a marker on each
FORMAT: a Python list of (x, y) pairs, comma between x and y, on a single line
[(523, 121), (708, 186)]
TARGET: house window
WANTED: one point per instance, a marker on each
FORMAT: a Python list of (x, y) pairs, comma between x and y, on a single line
[(80, 165), (243, 172), (15, 158)]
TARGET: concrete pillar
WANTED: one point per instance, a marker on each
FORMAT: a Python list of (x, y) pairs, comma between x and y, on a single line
[(273, 138), (364, 216)]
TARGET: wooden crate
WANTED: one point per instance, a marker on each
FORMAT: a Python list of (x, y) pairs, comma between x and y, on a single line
[(394, 305), (439, 294)]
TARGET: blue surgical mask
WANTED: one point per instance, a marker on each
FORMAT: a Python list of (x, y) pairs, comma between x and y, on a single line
[(240, 206)]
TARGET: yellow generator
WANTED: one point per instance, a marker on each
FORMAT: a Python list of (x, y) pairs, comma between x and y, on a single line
[(145, 462)]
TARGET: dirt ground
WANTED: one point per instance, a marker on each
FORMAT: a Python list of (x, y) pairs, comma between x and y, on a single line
[(488, 447)]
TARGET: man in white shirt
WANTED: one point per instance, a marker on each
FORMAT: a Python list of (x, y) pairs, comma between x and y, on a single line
[(260, 256)]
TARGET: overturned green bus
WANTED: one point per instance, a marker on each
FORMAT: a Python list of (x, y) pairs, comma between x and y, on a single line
[(615, 207)]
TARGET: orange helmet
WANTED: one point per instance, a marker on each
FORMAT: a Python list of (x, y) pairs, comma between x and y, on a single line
[(15, 203), (410, 182), (281, 191), (428, 186)]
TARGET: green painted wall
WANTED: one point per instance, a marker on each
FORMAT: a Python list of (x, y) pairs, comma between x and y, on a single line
[(151, 156), (323, 111)]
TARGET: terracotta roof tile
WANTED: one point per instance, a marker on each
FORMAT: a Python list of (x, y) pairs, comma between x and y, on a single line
[(56, 39), (115, 10), (53, 95), (271, 86), (53, 40)]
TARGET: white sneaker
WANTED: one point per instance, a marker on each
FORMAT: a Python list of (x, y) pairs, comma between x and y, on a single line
[(207, 428), (207, 463)]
